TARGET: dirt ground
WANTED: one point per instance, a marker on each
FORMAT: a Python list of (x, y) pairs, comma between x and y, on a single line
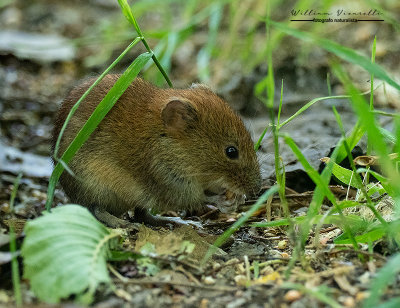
[(32, 85)]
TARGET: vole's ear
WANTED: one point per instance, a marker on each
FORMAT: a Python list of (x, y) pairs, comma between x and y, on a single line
[(178, 115)]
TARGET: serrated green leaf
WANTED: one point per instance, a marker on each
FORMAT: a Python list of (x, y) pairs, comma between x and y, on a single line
[(65, 252)]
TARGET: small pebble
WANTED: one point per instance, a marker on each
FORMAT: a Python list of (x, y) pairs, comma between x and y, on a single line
[(234, 260), (282, 244), (216, 266), (240, 279), (209, 280), (349, 302), (292, 295), (204, 303), (360, 296), (284, 255)]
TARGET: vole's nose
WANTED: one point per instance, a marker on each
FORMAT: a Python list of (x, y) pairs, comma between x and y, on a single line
[(254, 188)]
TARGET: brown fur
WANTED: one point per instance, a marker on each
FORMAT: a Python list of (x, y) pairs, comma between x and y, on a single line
[(147, 153)]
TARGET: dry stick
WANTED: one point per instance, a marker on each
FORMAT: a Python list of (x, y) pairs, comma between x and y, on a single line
[(247, 266), (172, 283), (181, 262), (369, 254), (269, 262)]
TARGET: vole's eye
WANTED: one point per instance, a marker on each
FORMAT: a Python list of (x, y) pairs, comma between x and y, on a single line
[(232, 152)]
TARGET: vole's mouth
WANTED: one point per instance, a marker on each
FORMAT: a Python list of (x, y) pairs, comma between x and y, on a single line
[(214, 192), (226, 200)]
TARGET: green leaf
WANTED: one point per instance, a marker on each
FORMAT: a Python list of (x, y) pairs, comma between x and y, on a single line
[(383, 180), (388, 135), (308, 105), (147, 265), (353, 138), (367, 237), (355, 221), (126, 10), (391, 303), (345, 176), (65, 252)]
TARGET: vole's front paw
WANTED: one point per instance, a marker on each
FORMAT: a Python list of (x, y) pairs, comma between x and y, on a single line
[(227, 202), (177, 221), (112, 221)]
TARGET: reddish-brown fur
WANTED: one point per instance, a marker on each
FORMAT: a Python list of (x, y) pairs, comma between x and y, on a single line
[(156, 148)]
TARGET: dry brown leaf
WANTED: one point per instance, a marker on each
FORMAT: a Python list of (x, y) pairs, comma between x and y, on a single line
[(168, 242)]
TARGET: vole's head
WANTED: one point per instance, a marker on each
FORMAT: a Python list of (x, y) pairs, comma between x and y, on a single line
[(211, 142)]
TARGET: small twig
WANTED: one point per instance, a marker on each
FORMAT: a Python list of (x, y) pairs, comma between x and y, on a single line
[(247, 266), (369, 254), (181, 262), (172, 283), (188, 274), (328, 229), (209, 213), (272, 261)]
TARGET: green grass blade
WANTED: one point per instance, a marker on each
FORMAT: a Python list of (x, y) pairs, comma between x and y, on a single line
[(76, 105), (342, 52), (385, 276), (312, 173), (308, 105), (355, 174), (367, 119), (328, 83), (258, 143), (352, 140), (99, 113), (387, 135), (332, 219), (318, 293), (391, 303), (371, 98), (13, 248), (126, 10), (205, 54), (224, 236), (280, 105), (382, 180), (319, 181), (366, 238)]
